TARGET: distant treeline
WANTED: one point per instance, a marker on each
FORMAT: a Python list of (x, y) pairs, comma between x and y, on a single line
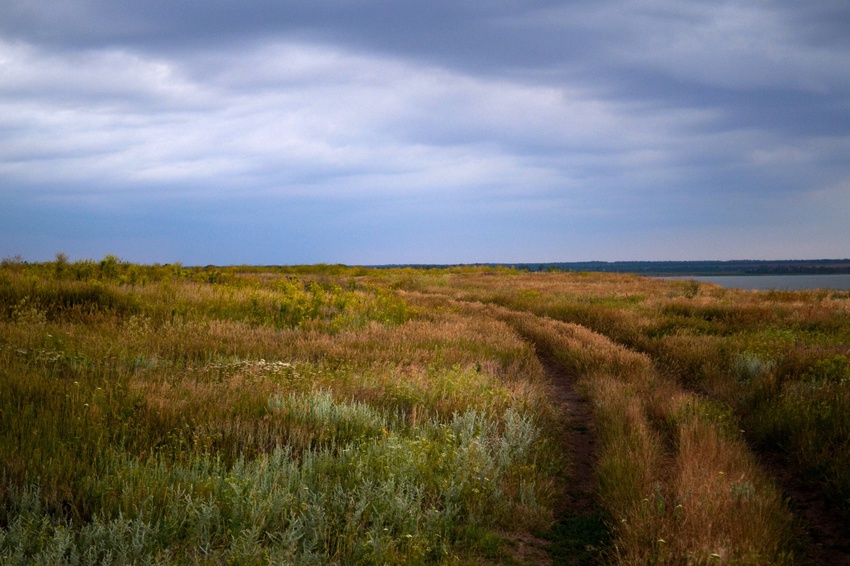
[(735, 267)]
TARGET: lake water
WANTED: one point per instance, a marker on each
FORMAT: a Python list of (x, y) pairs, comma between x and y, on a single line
[(778, 282)]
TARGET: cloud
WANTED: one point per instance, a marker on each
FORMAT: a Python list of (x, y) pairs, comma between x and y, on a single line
[(730, 45), (502, 124), (297, 118)]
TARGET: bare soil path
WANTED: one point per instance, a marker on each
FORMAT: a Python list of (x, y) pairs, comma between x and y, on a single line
[(826, 532), (580, 535)]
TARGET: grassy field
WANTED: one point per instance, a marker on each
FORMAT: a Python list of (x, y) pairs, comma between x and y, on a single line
[(314, 415)]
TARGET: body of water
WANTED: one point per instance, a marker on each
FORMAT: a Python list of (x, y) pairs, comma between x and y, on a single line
[(778, 282)]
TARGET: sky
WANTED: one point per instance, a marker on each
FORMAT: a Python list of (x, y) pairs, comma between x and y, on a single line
[(442, 131)]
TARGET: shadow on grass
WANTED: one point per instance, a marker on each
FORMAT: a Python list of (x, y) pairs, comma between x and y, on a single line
[(578, 539)]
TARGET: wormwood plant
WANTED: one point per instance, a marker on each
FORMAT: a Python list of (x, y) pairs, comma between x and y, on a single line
[(386, 495)]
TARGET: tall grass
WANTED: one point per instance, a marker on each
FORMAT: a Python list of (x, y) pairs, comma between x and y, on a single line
[(673, 472), (325, 414), (164, 414)]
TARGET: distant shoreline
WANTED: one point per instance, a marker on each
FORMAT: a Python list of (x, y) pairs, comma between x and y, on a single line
[(661, 268)]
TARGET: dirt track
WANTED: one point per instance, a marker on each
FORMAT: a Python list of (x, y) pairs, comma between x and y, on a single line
[(580, 527)]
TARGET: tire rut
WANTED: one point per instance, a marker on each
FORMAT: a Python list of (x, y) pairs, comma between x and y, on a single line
[(581, 532), (822, 526), (579, 437)]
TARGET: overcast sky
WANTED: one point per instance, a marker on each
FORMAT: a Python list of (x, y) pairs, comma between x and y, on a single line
[(446, 131)]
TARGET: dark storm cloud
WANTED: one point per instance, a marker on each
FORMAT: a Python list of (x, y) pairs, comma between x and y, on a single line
[(688, 53)]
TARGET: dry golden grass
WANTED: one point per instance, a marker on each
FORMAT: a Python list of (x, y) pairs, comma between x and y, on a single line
[(673, 472)]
